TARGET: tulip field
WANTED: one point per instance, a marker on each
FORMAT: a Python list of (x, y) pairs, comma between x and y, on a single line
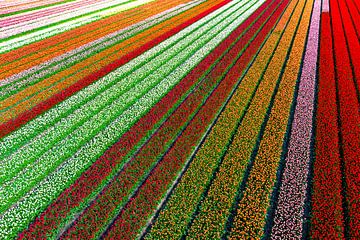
[(180, 119)]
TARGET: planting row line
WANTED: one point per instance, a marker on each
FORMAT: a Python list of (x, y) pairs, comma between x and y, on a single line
[(83, 34), (134, 216), (327, 220), (20, 18), (349, 120)]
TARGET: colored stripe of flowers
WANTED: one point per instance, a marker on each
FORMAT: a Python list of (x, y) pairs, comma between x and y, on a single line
[(352, 42), (176, 215), (349, 118), (104, 92), (135, 214), (146, 158), (355, 15), (216, 206), (327, 221), (289, 214), (103, 167), (251, 209), (26, 116)]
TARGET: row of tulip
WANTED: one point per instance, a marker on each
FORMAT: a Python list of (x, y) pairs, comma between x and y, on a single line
[(349, 117), (176, 215), (55, 182), (53, 69), (36, 158), (149, 155), (34, 94), (327, 221), (251, 209), (210, 221)]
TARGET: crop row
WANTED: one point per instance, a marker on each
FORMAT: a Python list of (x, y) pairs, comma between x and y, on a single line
[(148, 155), (327, 220), (349, 122), (20, 18), (217, 204), (28, 115), (139, 68), (26, 6), (36, 53), (117, 98)]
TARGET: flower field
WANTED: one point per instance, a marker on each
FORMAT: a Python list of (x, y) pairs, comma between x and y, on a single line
[(175, 119)]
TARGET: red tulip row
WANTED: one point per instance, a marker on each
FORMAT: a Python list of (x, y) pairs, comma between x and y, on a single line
[(135, 214), (349, 118), (327, 214), (26, 116), (348, 16)]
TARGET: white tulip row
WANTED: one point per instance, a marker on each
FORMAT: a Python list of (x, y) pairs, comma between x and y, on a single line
[(32, 151), (20, 214)]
